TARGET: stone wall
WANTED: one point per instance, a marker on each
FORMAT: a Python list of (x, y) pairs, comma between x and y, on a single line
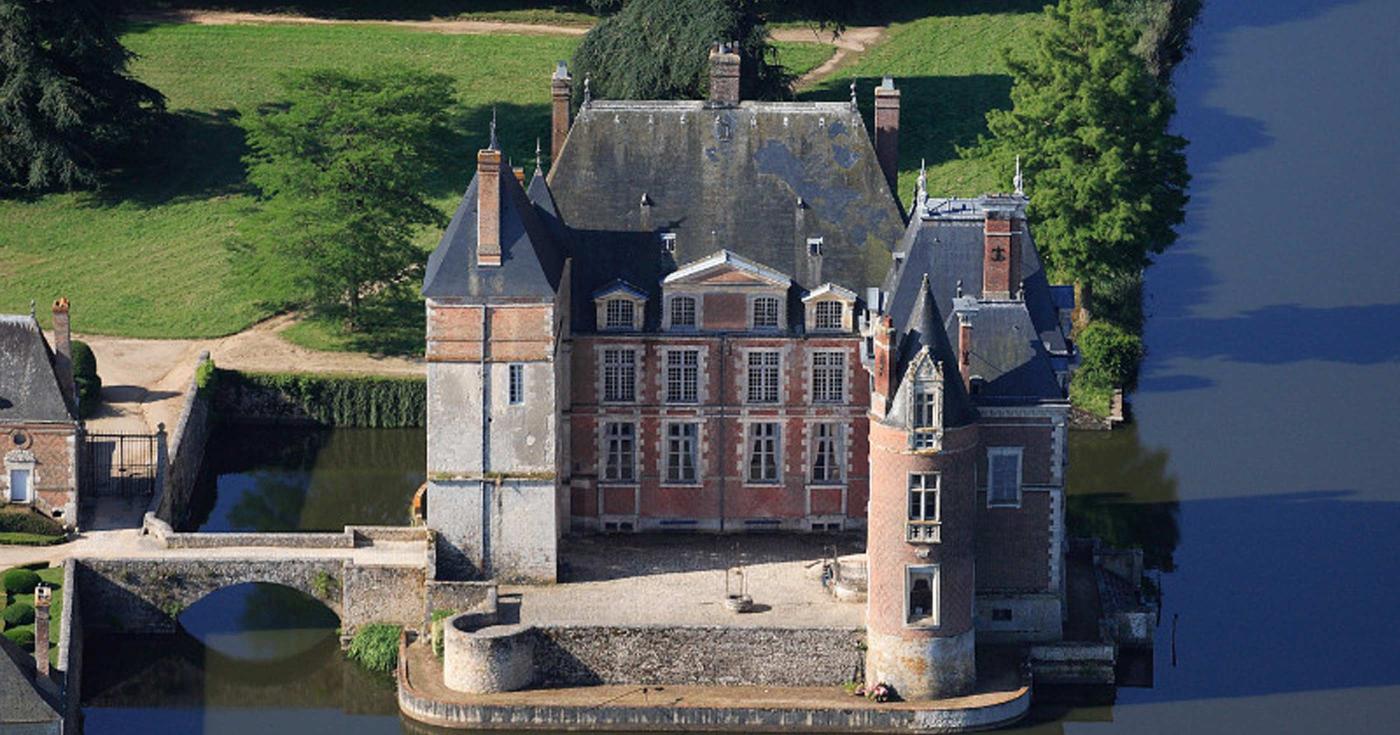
[(185, 454), (382, 594), (70, 643)]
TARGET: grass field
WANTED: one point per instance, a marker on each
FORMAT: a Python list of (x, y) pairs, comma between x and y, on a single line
[(146, 257)]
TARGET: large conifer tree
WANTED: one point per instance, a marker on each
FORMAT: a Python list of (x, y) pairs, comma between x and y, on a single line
[(68, 107)]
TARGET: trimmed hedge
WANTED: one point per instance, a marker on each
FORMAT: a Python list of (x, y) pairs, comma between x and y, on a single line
[(365, 401), (22, 637), (20, 613), (27, 520), (85, 376), (20, 581)]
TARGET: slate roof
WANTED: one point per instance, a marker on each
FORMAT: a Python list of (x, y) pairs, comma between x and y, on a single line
[(20, 701), (757, 179), (532, 258), (29, 388), (924, 330), (1016, 345)]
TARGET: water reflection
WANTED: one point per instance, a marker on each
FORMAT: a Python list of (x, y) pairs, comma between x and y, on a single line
[(1123, 494), (277, 478)]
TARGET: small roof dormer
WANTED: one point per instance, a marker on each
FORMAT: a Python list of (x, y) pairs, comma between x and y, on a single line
[(620, 306)]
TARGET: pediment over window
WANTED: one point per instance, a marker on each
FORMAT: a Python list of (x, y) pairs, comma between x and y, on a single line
[(727, 269), (830, 308), (620, 306), (922, 394)]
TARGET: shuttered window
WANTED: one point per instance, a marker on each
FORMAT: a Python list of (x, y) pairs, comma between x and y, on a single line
[(1004, 476)]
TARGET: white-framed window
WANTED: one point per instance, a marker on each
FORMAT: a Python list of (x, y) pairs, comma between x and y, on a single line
[(764, 443), (828, 456), (764, 312), (683, 312), (683, 376), (21, 485), (921, 595), (764, 375), (827, 316), (620, 314), (619, 375), (1003, 476), (927, 415), (516, 383), (814, 246), (668, 242), (923, 522), (828, 376), (682, 452), (619, 451)]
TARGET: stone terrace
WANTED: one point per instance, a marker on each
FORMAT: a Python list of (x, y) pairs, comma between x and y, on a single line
[(677, 580)]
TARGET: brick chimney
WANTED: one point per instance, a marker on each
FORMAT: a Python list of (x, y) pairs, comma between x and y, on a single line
[(724, 75), (559, 86), (63, 349), (488, 207), (884, 370), (1001, 255), (965, 348), (43, 596), (887, 131)]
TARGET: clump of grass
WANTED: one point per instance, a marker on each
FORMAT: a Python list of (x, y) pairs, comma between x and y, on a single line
[(376, 647)]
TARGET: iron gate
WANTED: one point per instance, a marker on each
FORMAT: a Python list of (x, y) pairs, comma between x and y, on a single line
[(120, 465)]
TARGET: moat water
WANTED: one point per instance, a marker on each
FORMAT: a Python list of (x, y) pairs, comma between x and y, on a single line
[(1259, 475)]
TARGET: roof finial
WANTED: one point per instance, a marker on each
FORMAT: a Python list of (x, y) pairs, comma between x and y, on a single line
[(587, 89), (853, 95), (492, 145), (32, 313), (959, 292), (921, 186), (1017, 181), (538, 169)]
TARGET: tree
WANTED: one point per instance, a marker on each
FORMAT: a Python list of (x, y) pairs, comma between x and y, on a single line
[(341, 166), (1107, 180), (68, 108), (659, 49)]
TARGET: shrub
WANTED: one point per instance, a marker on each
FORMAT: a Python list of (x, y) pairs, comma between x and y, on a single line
[(376, 647), (1111, 355), (20, 613), (85, 377), (22, 519), (206, 378), (20, 581), (22, 637), (365, 401), (439, 622)]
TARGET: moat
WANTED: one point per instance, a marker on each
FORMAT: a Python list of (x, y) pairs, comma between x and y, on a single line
[(1255, 476)]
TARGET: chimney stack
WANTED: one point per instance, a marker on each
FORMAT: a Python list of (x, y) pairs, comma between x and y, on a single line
[(559, 87), (887, 131), (63, 350), (724, 75), (43, 595), (965, 348), (488, 207), (1001, 256), (885, 379)]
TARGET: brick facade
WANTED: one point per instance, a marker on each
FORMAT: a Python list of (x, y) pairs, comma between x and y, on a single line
[(54, 449)]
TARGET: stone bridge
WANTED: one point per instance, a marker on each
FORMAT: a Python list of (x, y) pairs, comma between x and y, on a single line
[(362, 580)]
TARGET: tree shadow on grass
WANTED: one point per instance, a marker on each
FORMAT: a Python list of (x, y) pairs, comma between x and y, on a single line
[(518, 128), (195, 155)]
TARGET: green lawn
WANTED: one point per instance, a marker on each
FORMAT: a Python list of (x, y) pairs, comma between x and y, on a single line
[(950, 73), (146, 257)]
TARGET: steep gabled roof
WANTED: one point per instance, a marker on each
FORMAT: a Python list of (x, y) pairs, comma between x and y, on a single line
[(728, 260), (757, 179), (29, 388), (924, 338), (532, 259)]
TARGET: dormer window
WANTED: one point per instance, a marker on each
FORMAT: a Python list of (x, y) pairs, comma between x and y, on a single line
[(814, 246), (668, 242), (764, 313), (926, 414), (682, 312), (619, 314), (828, 316)]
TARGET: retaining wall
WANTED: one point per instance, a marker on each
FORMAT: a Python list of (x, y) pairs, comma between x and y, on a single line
[(70, 644), (184, 454)]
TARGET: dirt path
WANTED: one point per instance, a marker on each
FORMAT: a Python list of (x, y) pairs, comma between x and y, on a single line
[(850, 43), (143, 379)]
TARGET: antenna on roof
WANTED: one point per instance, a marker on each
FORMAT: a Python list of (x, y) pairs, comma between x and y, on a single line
[(492, 145), (1017, 181), (853, 95)]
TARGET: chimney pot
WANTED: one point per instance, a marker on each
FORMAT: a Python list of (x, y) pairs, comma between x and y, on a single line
[(63, 351), (488, 207), (43, 595)]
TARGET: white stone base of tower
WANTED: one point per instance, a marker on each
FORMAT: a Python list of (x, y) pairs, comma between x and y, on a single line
[(922, 666)]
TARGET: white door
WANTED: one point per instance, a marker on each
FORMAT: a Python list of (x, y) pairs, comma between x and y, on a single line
[(19, 486)]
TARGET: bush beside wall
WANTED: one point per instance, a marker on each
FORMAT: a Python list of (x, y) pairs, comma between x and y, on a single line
[(85, 377), (365, 401)]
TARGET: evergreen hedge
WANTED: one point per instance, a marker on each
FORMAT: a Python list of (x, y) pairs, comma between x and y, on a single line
[(364, 401), (20, 581), (20, 613), (22, 519), (22, 637), (85, 377)]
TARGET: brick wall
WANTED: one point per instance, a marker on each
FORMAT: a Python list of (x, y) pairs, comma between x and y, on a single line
[(55, 476), (1013, 544)]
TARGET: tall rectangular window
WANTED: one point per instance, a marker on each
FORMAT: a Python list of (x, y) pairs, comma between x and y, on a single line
[(828, 315), (763, 376), (619, 376), (1004, 476), (921, 595), (19, 486), (682, 452), (928, 414), (620, 451), (683, 376), (827, 454), (516, 382), (828, 377), (620, 314), (923, 527), (683, 312), (763, 452), (765, 313)]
